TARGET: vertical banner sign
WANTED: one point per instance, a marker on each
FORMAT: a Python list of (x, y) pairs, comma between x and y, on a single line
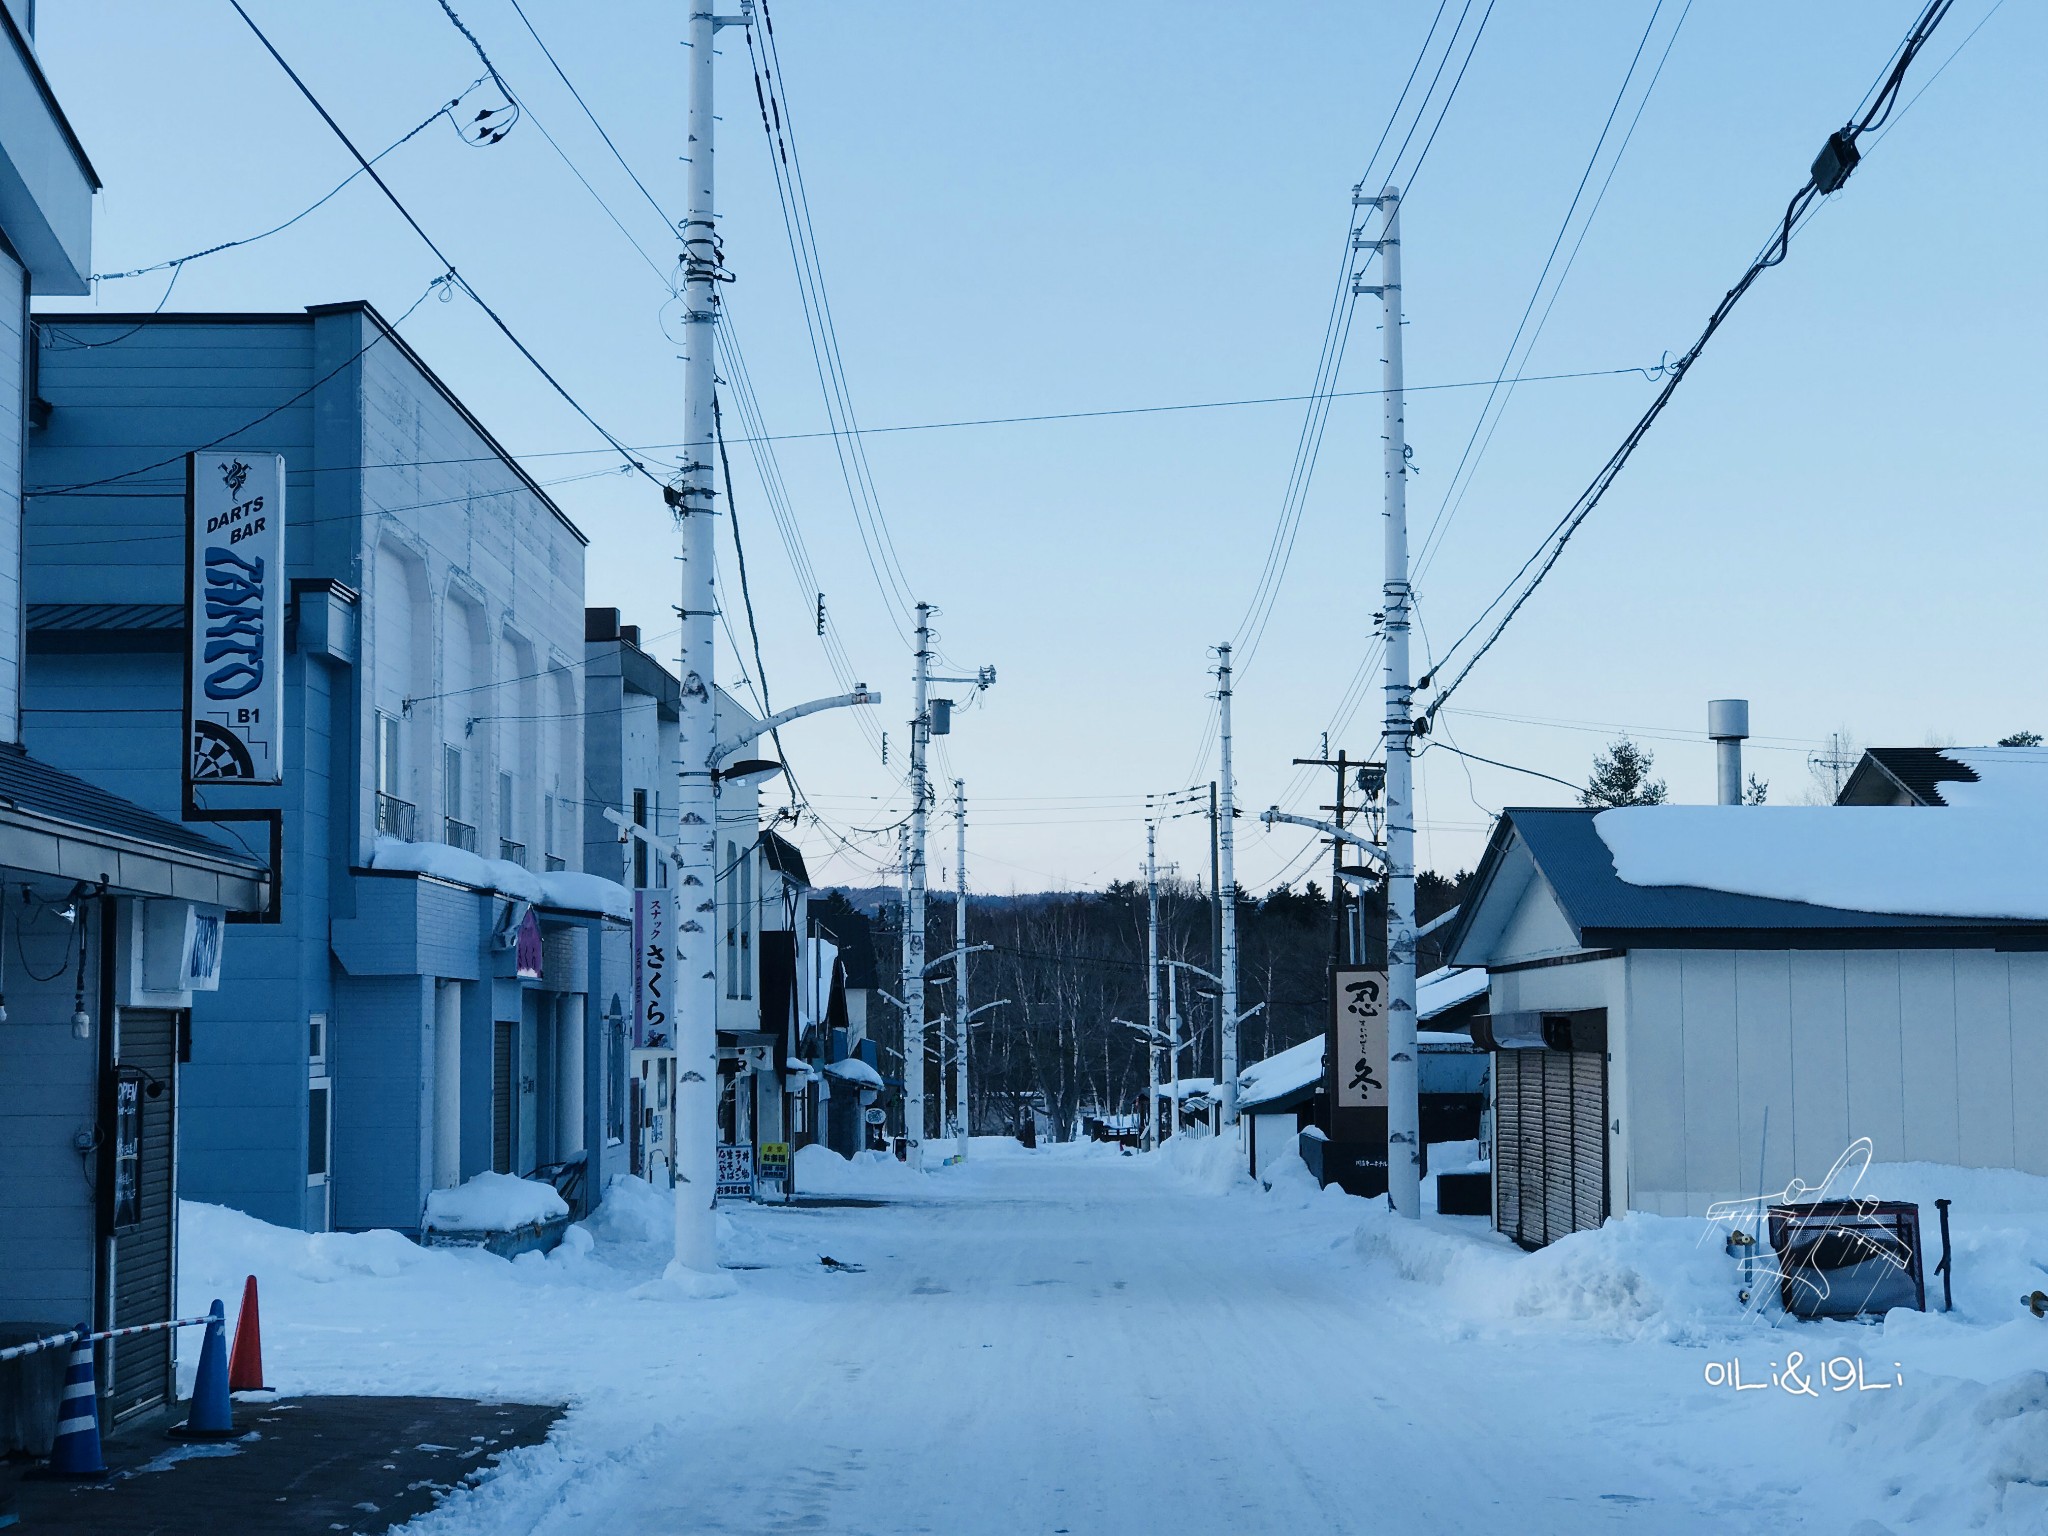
[(1355, 1056), (735, 1171), (653, 942), (234, 725)]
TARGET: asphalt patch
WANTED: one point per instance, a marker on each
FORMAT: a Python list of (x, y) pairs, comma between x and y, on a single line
[(312, 1465)]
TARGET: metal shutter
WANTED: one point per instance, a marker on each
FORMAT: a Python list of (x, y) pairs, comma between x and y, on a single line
[(139, 1371), (1550, 1143), (504, 1044)]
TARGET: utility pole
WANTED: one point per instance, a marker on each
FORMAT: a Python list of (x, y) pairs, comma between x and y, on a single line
[(913, 911), (1215, 907), (1340, 928), (1151, 986), (1226, 890), (1404, 1167), (696, 850), (1173, 1042), (960, 966)]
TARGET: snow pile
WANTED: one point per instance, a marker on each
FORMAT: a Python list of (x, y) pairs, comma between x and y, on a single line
[(563, 889), (1212, 1165), (1893, 859), (853, 1070), (1955, 1455), (493, 1202), (871, 1174)]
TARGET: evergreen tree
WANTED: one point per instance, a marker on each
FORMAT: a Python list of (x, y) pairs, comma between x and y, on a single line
[(1757, 792), (1621, 776), (2021, 739)]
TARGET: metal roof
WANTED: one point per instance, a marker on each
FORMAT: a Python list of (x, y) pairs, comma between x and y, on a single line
[(1606, 912), (49, 617), (29, 785)]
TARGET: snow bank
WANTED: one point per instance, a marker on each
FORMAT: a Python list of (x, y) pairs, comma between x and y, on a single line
[(493, 1202), (1894, 859), (564, 889), (821, 1171), (1213, 1165)]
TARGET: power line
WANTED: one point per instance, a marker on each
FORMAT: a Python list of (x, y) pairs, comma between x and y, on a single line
[(1837, 159), (449, 266)]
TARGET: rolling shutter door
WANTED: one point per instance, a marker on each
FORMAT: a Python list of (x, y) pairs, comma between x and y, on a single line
[(139, 1372), (505, 1041), (1550, 1143), (1507, 1123)]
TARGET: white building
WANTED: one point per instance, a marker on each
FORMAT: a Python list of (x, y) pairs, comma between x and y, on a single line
[(1685, 1000)]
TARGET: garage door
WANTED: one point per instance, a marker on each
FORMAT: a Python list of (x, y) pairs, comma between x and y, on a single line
[(1549, 1143)]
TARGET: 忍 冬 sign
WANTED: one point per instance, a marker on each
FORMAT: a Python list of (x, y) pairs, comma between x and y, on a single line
[(653, 1015), (1355, 1059), (235, 573)]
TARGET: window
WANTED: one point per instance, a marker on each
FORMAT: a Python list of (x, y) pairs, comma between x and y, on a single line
[(550, 812), (746, 874), (730, 886), (510, 845), (319, 1130), (387, 754), (316, 1038), (459, 830)]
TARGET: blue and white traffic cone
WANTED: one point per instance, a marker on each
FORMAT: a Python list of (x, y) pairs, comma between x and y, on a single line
[(212, 1416), (76, 1451)]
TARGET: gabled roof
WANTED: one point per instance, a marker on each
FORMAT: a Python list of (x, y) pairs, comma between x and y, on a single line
[(1984, 778), (1563, 848)]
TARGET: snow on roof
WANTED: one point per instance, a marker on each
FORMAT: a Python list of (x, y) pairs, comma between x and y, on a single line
[(1296, 1068), (854, 1070), (2008, 779), (1964, 863), (1443, 989), (564, 889)]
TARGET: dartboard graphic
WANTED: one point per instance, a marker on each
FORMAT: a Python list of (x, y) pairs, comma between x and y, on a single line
[(217, 753)]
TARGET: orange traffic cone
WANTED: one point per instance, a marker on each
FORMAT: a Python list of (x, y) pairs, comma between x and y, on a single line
[(245, 1361)]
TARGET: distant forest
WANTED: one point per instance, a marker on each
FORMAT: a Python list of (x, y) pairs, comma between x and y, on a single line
[(1072, 963)]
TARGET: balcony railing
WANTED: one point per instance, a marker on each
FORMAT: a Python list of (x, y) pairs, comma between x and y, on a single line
[(395, 817), (511, 852), (555, 862), (459, 834)]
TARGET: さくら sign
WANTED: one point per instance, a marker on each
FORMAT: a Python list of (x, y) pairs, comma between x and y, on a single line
[(236, 590)]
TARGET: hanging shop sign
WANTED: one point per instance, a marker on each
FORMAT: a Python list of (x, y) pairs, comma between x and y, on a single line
[(235, 595), (529, 951), (735, 1171), (653, 1015), (1355, 1059)]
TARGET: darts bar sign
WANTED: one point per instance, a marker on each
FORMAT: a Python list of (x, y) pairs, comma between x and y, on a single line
[(235, 585)]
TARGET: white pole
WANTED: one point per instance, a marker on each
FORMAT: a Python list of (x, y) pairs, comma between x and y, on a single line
[(696, 1093), (1227, 889), (1173, 1041), (960, 966), (913, 917), (1151, 986), (1404, 1167)]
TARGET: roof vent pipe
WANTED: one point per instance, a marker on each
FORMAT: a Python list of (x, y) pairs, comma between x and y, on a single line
[(1728, 725)]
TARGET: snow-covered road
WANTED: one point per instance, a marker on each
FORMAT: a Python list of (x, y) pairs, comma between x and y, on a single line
[(1072, 1341)]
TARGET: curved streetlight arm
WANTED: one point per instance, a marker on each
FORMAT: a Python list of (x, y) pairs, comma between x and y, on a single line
[(953, 954), (782, 717), (1188, 965), (1328, 829)]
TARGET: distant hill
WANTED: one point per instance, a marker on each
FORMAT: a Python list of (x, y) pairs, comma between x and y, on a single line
[(872, 899)]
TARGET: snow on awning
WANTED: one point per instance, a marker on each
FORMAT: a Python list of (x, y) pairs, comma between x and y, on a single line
[(854, 1070), (1961, 863), (563, 890)]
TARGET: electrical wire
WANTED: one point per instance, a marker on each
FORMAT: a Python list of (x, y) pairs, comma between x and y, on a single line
[(449, 267), (1842, 145)]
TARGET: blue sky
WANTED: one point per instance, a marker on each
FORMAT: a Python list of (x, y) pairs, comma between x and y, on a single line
[(1023, 210)]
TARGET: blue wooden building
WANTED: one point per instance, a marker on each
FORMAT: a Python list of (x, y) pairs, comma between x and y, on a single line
[(428, 998)]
